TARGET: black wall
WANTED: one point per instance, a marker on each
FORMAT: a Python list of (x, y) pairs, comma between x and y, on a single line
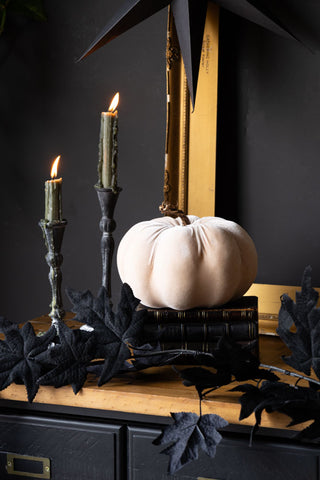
[(268, 141), (268, 172), (50, 105)]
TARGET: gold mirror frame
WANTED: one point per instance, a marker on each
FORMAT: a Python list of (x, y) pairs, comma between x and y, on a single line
[(191, 135), (190, 163)]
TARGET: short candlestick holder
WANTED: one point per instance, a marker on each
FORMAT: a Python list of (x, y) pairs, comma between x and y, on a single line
[(107, 200), (53, 236)]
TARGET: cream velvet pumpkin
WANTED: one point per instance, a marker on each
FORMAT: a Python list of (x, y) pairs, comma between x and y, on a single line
[(168, 264)]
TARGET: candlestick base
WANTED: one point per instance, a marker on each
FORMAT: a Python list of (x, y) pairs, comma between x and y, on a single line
[(107, 200), (53, 235)]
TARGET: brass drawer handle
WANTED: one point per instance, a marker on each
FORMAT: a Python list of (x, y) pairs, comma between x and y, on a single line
[(204, 478), (37, 467)]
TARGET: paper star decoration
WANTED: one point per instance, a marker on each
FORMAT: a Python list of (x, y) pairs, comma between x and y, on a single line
[(189, 16)]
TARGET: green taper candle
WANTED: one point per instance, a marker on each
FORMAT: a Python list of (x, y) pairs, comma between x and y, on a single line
[(53, 198), (108, 147)]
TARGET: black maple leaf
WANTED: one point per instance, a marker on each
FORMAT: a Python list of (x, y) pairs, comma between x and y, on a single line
[(23, 355), (114, 333), (305, 406), (239, 361), (187, 434), (70, 358), (202, 378), (270, 396), (301, 404), (299, 327), (250, 400), (90, 310), (254, 401)]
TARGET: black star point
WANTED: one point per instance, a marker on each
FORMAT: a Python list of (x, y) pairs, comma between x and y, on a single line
[(189, 17)]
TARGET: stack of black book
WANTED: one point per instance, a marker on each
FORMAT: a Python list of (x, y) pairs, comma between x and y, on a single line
[(201, 328)]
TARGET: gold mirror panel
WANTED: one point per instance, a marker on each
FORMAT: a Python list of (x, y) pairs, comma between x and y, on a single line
[(203, 124)]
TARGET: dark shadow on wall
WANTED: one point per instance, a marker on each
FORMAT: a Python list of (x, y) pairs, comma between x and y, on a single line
[(227, 168)]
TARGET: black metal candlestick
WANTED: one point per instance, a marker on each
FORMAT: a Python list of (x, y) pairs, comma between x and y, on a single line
[(53, 236), (107, 200)]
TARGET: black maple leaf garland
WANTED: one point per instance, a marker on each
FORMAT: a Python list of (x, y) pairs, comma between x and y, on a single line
[(63, 359), (55, 360), (231, 361), (299, 329), (304, 315)]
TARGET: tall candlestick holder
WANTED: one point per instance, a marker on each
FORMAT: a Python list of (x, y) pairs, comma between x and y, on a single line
[(107, 199), (53, 235)]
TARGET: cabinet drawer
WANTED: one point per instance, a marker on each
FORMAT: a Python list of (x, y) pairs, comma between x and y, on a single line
[(235, 460), (76, 450)]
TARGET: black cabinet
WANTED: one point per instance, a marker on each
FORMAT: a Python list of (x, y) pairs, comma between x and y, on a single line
[(235, 460), (64, 446), (58, 449)]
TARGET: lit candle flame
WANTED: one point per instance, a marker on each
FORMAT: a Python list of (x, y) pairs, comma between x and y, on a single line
[(54, 168), (114, 103)]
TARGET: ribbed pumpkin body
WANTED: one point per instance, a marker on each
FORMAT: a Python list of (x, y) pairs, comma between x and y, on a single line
[(204, 264)]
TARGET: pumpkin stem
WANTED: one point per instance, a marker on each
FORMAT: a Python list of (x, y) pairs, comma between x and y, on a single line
[(170, 210)]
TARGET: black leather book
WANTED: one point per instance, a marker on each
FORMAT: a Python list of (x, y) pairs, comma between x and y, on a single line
[(201, 328)]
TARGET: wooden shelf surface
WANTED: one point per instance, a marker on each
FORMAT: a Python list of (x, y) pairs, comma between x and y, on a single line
[(158, 391)]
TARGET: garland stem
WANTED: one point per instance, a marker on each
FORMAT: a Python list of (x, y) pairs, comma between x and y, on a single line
[(289, 373), (194, 353)]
